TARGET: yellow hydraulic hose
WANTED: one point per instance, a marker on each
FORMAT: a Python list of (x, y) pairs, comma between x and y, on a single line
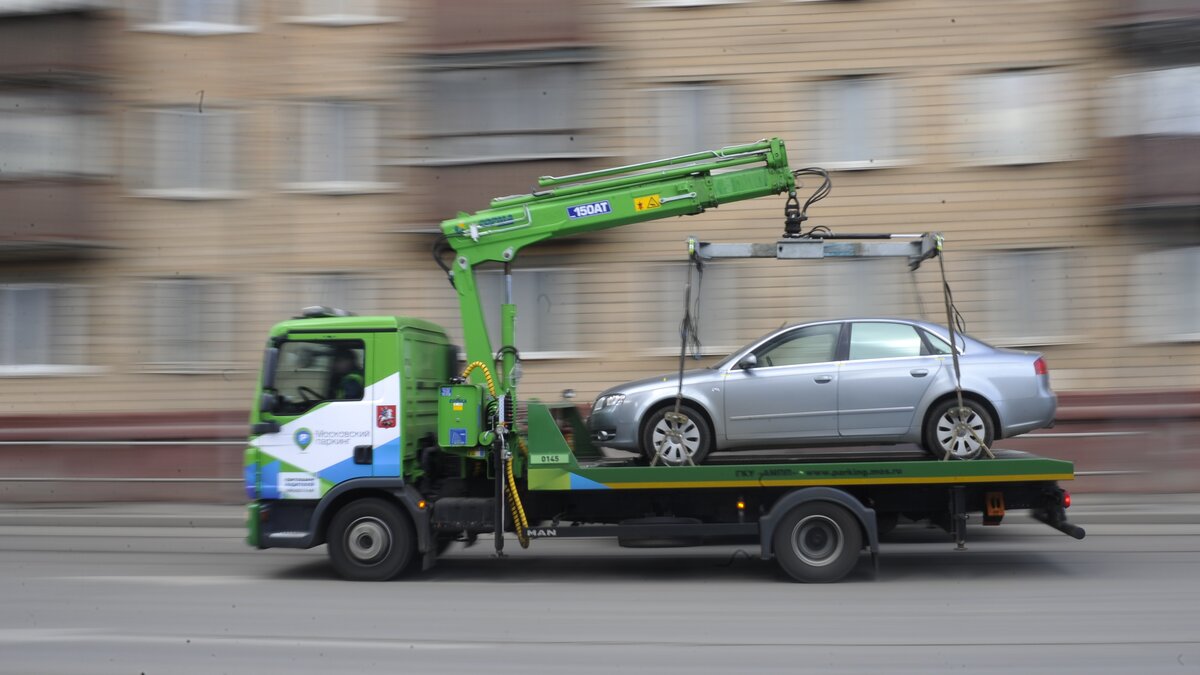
[(520, 521)]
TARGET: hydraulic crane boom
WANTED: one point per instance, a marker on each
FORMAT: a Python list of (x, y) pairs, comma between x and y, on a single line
[(591, 201)]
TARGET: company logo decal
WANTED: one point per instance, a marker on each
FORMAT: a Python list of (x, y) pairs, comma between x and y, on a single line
[(303, 438)]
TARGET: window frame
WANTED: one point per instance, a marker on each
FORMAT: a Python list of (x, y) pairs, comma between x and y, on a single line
[(297, 121), (151, 163), (59, 364), (491, 312), (154, 16), (341, 19), (982, 139), (826, 144), (435, 131), (217, 360)]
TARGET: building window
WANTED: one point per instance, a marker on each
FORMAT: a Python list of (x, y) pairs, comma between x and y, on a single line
[(1021, 117), (717, 316), (193, 17), (344, 12), (334, 147), (871, 287), (351, 292), (690, 118), (1166, 305), (185, 153), (1158, 102), (191, 324), (43, 328), (1026, 298), (548, 310), (50, 134), (536, 109), (857, 126)]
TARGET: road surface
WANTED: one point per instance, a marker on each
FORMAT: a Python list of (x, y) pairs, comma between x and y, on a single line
[(96, 592)]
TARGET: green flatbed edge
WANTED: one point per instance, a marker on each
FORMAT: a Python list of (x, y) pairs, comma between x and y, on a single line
[(554, 467)]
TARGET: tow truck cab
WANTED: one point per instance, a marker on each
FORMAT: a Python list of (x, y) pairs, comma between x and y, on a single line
[(341, 397)]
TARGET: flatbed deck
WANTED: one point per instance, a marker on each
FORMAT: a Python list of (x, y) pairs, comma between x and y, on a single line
[(555, 466)]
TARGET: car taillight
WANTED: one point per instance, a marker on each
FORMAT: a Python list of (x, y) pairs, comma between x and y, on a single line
[(1066, 500), (1040, 368)]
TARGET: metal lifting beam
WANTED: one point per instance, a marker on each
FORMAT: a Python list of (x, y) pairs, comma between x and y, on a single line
[(917, 248)]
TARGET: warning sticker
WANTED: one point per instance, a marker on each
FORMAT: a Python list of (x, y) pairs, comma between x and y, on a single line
[(646, 203)]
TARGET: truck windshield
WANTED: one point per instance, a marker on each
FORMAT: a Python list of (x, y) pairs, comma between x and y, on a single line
[(310, 372)]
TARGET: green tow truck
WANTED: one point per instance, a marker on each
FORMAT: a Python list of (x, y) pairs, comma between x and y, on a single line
[(369, 434)]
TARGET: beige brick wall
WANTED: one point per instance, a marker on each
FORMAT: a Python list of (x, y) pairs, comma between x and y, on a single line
[(772, 55)]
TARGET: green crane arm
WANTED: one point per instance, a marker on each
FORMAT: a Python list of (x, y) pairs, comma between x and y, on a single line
[(598, 200)]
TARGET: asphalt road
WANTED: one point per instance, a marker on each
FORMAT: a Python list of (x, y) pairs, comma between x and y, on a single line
[(144, 593)]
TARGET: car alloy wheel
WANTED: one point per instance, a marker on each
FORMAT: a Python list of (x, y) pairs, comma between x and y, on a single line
[(961, 432)]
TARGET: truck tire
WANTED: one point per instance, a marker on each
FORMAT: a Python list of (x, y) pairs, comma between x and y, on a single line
[(941, 438), (818, 542), (370, 540), (697, 439)]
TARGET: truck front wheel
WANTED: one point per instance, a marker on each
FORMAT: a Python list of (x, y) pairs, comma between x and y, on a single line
[(818, 542), (370, 540)]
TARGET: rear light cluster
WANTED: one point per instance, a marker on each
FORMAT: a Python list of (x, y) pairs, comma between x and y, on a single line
[(1040, 368), (1066, 500)]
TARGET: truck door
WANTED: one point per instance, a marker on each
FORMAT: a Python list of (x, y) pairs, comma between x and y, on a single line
[(791, 392), (883, 380), (325, 414)]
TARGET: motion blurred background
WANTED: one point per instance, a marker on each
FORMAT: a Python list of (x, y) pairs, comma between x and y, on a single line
[(178, 175)]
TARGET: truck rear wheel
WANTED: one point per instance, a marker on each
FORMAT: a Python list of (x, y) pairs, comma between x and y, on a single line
[(370, 540), (818, 542)]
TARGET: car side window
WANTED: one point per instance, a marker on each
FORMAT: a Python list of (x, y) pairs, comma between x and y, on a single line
[(936, 344), (812, 344), (869, 340)]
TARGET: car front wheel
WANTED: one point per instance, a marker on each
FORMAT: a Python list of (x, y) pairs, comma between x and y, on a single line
[(676, 436), (958, 433)]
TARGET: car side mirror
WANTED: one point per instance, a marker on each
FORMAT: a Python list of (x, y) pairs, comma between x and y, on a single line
[(748, 361)]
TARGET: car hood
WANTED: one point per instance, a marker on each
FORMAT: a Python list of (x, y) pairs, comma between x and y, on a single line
[(669, 381)]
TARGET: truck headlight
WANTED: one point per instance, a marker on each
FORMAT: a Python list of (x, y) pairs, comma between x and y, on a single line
[(610, 401)]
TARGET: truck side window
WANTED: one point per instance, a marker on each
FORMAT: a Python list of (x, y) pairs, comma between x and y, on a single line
[(315, 371)]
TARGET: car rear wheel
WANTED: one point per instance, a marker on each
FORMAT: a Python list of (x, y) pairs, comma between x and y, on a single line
[(958, 433), (678, 437)]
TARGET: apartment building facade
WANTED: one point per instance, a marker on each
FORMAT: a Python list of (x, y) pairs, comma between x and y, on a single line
[(180, 174)]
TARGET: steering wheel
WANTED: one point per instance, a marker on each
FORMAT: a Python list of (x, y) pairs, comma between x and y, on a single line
[(309, 395)]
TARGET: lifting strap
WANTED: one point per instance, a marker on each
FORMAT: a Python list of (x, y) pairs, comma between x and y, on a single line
[(688, 334), (951, 323)]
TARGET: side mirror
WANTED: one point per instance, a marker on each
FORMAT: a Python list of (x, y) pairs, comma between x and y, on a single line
[(270, 427), (267, 402), (748, 361)]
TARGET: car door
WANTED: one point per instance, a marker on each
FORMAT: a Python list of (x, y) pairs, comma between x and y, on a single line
[(886, 373), (324, 412), (790, 393)]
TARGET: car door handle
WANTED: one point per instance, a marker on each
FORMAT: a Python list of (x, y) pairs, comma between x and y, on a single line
[(823, 379), (919, 372)]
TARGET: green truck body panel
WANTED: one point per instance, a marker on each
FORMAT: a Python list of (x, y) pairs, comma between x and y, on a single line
[(404, 362)]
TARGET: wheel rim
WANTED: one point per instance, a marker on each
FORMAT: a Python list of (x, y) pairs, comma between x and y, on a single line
[(955, 437), (817, 540), (673, 439), (368, 540)]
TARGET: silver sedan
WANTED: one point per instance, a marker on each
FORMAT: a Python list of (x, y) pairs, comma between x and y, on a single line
[(846, 382)]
